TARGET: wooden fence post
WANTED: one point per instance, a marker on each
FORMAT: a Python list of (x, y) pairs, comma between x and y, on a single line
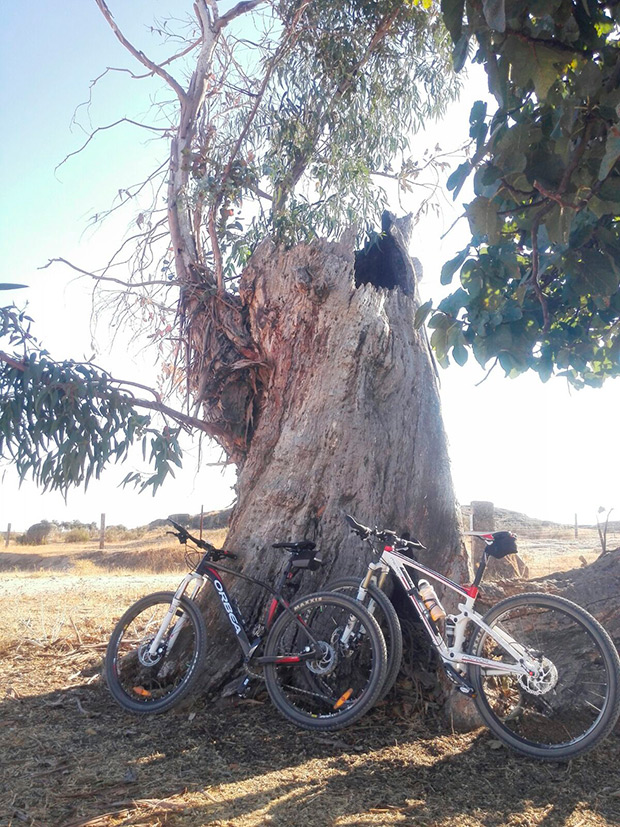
[(102, 532), (202, 514), (8, 535)]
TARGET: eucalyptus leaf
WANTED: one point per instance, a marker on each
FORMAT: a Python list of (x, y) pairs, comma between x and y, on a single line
[(612, 152), (483, 218), (450, 267), (458, 177)]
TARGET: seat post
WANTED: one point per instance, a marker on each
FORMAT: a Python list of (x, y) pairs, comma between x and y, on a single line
[(481, 567)]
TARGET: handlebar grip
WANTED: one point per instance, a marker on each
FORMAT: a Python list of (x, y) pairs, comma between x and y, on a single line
[(358, 528)]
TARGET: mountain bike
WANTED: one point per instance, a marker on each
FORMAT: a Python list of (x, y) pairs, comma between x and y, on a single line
[(323, 656), (543, 673)]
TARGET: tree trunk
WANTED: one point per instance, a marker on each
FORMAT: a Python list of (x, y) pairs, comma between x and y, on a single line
[(595, 587), (348, 420)]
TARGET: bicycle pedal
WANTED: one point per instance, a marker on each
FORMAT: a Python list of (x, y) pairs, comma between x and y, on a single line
[(461, 684), (238, 686)]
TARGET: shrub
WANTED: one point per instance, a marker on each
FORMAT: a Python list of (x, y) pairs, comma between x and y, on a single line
[(77, 535), (38, 533)]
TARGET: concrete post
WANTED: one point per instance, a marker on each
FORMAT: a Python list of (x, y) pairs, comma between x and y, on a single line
[(482, 519)]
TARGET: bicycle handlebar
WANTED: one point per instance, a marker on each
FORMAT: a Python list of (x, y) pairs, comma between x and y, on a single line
[(183, 536), (381, 534)]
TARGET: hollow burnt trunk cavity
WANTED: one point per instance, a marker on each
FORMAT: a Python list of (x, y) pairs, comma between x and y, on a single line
[(346, 418)]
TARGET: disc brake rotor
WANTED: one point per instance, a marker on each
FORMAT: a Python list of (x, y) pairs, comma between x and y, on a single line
[(325, 664), (145, 658), (543, 681)]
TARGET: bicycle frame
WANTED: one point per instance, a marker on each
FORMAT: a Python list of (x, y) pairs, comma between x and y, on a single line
[(451, 652), (208, 571)]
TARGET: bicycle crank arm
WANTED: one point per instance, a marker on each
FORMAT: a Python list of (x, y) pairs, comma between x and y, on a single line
[(283, 660), (459, 681)]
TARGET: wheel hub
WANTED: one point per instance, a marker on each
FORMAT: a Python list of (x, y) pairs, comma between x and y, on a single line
[(325, 664), (144, 656), (543, 680)]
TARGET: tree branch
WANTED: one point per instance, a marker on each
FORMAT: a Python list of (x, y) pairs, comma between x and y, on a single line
[(302, 162), (164, 129), (154, 67), (128, 284), (237, 11), (183, 419)]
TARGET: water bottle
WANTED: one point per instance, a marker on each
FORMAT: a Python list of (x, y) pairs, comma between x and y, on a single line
[(431, 601)]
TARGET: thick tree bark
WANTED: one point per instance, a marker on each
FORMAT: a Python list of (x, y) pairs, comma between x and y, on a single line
[(348, 420), (595, 587)]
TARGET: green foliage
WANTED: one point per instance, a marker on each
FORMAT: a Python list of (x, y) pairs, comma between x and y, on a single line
[(539, 280), (77, 535), (38, 534), (62, 422), (339, 92)]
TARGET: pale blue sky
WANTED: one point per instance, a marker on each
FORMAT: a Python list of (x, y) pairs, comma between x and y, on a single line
[(527, 446)]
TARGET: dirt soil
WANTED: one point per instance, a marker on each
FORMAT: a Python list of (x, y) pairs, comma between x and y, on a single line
[(70, 757)]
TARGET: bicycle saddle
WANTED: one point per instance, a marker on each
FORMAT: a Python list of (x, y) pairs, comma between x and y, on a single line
[(498, 543)]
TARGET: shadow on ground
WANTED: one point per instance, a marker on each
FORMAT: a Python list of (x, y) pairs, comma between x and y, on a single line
[(69, 756)]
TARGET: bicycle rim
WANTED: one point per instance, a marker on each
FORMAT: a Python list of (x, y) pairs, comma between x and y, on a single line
[(572, 700), (342, 682), (142, 682)]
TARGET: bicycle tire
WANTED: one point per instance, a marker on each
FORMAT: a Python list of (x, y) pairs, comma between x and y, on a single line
[(338, 689), (386, 616), (549, 718), (157, 686)]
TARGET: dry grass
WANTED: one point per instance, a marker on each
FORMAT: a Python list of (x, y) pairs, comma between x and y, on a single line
[(69, 757)]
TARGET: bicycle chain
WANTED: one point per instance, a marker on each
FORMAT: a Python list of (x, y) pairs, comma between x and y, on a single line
[(299, 691)]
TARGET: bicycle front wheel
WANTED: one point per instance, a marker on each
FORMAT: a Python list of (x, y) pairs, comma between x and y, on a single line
[(380, 607), (342, 679), (145, 682), (572, 700)]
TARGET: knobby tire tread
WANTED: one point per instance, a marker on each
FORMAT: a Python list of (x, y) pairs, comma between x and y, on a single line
[(200, 644), (377, 680), (612, 710)]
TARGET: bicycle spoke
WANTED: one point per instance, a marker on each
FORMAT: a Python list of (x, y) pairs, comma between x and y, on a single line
[(570, 700), (343, 678), (143, 681)]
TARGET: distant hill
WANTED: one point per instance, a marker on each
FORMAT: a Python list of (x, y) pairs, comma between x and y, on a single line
[(211, 520), (506, 520)]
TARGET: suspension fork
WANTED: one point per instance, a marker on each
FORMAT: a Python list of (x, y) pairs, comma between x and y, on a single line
[(174, 605), (366, 582), (362, 592)]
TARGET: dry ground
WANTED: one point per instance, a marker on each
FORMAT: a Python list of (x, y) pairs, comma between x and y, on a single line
[(69, 756)]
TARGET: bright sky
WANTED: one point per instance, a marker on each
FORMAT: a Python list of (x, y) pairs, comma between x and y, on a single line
[(540, 449)]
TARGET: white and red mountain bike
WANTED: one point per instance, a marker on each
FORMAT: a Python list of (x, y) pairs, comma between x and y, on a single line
[(543, 673)]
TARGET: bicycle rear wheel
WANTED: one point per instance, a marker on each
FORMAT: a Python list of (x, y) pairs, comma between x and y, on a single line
[(343, 680), (380, 607), (141, 682), (573, 699)]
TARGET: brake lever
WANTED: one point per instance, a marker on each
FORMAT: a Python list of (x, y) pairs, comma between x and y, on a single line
[(182, 540)]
